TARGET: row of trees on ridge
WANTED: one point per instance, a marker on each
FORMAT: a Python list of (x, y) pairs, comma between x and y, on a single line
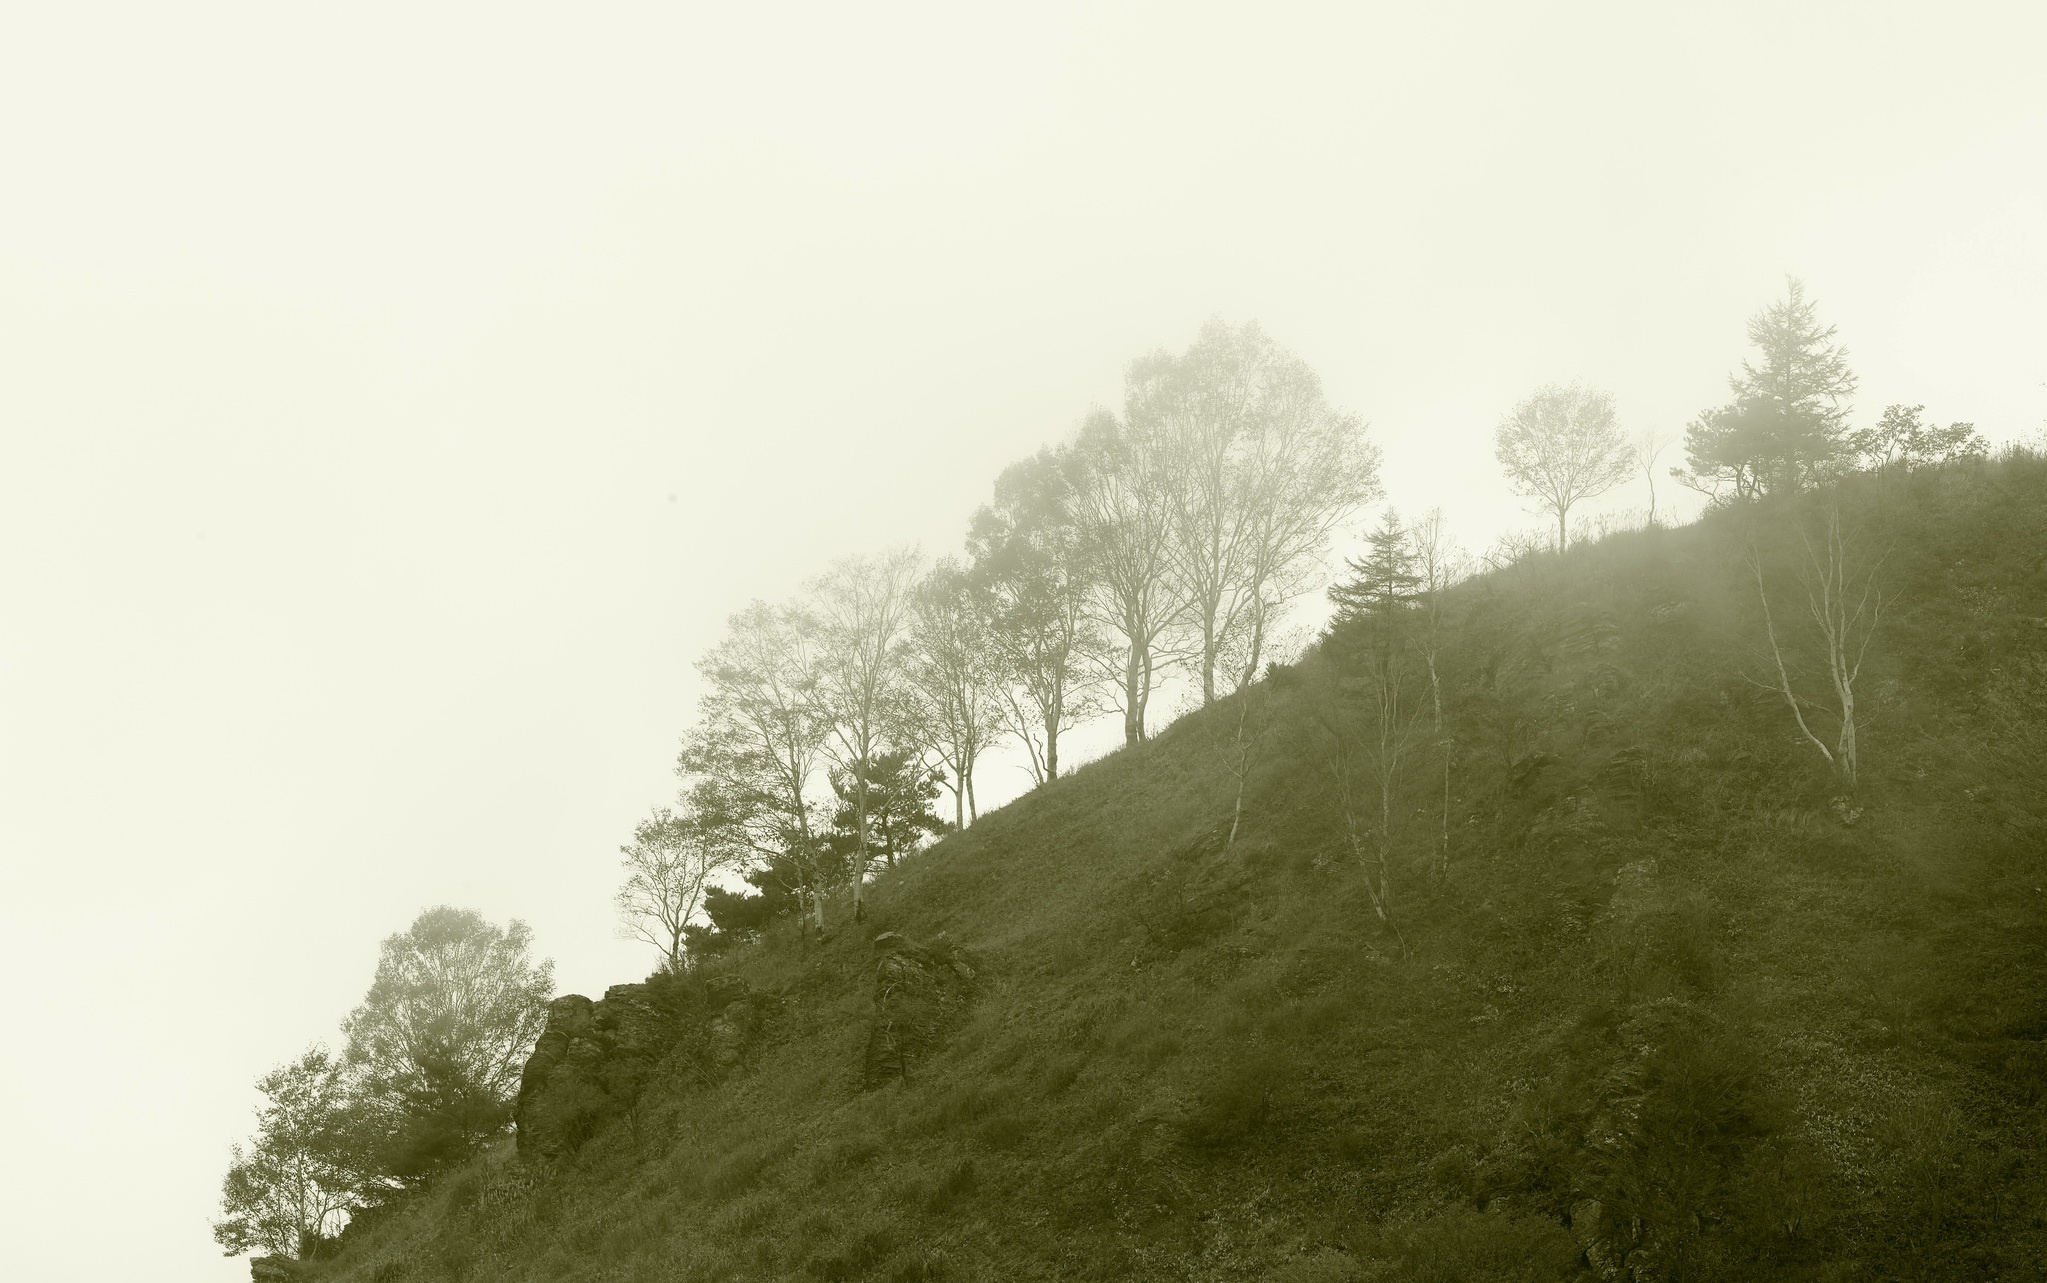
[(1168, 538)]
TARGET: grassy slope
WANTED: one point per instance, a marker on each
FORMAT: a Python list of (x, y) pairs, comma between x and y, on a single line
[(1767, 1043)]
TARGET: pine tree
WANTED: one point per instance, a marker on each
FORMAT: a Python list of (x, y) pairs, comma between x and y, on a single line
[(1385, 583), (1786, 426)]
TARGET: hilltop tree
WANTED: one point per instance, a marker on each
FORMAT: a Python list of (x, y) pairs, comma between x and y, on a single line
[(1647, 446), (863, 606), (1260, 471), (954, 680), (440, 1039), (758, 737), (1032, 579), (1785, 428), (1385, 582), (1122, 504), (1561, 447), (668, 866), (1903, 439), (289, 1190)]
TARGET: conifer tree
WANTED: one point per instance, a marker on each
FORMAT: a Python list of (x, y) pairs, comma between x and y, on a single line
[(1786, 427)]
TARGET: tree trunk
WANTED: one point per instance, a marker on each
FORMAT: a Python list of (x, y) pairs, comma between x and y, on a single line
[(1133, 697), (860, 851), (1144, 693), (1208, 650)]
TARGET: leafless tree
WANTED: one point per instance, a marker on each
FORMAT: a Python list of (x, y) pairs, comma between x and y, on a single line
[(1561, 447), (1648, 445), (759, 733), (1438, 563), (863, 607), (1374, 728), (1843, 608), (954, 679), (670, 861)]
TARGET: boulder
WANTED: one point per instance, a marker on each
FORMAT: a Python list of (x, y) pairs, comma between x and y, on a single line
[(919, 991), (596, 1058)]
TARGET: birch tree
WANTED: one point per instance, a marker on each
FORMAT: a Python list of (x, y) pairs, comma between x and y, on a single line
[(1438, 565), (1121, 503), (863, 607), (1260, 470), (1033, 581), (669, 863), (954, 680), (1840, 611), (760, 731)]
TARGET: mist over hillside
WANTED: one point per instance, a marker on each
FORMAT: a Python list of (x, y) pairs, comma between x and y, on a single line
[(1610, 972)]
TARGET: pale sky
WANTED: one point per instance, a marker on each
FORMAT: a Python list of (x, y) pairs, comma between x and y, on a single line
[(395, 399)]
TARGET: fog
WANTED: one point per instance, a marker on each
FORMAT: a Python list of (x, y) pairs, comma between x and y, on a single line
[(395, 400)]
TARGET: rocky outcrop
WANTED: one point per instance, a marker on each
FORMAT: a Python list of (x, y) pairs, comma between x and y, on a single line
[(595, 1059), (919, 990)]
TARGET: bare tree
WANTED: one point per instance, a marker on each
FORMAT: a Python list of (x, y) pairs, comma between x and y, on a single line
[(954, 680), (1261, 470), (1438, 564), (1561, 447), (671, 859), (1648, 445), (863, 607), (1121, 503), (759, 734), (1843, 608)]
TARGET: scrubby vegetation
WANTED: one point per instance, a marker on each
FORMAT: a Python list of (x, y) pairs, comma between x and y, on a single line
[(1605, 973)]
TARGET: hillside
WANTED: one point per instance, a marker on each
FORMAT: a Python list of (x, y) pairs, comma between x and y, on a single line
[(1672, 1003)]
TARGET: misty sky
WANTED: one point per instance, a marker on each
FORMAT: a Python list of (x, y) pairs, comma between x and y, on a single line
[(395, 399)]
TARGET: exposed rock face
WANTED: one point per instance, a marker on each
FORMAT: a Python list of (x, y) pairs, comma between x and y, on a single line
[(919, 989), (595, 1058), (274, 1269)]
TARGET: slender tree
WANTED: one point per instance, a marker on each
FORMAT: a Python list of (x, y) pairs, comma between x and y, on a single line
[(954, 680), (1438, 564), (668, 866), (1843, 608), (1121, 502), (760, 731), (1260, 470), (864, 608), (1647, 446), (1561, 447), (1033, 582)]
